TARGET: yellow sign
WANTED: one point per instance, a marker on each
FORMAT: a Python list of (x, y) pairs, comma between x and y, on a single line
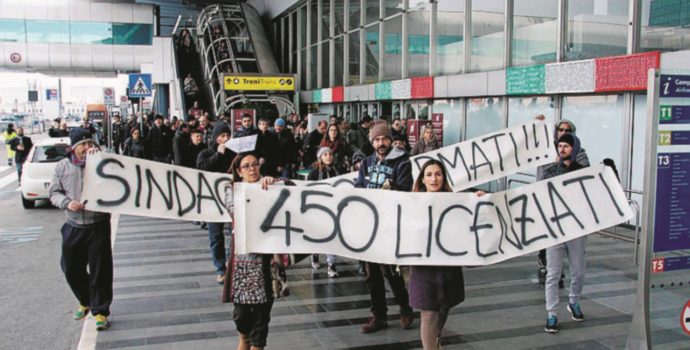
[(259, 83)]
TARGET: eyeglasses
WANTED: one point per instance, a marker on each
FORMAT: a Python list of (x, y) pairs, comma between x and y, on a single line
[(564, 130), (248, 166)]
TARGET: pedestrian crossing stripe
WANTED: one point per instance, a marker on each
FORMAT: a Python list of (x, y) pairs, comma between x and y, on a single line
[(140, 88), (20, 234)]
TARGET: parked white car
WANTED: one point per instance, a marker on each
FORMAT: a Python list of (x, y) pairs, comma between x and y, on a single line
[(39, 168)]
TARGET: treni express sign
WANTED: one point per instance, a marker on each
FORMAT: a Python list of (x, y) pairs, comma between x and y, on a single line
[(259, 82)]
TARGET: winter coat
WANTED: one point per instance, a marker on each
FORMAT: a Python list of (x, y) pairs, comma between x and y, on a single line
[(341, 153), (136, 149), (20, 156), (318, 174), (311, 146), (287, 149), (242, 132), (159, 141), (181, 142), (422, 147), (267, 148), (358, 139), (395, 167), (210, 160)]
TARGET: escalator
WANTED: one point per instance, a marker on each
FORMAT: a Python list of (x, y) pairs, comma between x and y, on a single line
[(189, 64), (231, 39)]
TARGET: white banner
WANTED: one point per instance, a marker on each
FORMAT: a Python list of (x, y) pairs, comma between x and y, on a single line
[(493, 156), (427, 228), (345, 180), (125, 185)]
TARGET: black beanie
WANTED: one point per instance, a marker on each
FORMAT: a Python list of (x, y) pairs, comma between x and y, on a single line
[(219, 128), (567, 138), (79, 135)]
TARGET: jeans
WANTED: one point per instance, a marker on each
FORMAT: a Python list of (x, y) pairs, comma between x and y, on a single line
[(216, 237), (19, 166), (575, 250)]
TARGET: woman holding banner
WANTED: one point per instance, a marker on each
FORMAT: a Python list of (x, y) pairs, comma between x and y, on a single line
[(435, 289), (248, 283), (324, 169)]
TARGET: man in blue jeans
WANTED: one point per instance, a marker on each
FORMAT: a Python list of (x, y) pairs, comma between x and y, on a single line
[(216, 158)]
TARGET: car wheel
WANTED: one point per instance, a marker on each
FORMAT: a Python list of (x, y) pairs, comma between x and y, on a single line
[(27, 203)]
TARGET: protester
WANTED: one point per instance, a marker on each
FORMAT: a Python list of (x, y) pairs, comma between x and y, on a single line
[(247, 127), (426, 143), (135, 146), (325, 168), (399, 143), (387, 168), (85, 235), (192, 150), (159, 141), (21, 145), (118, 133), (8, 135), (312, 143), (399, 133), (435, 289), (206, 130), (563, 127), (266, 148), (568, 148), (334, 141), (248, 281), (217, 158), (357, 137), (181, 142), (287, 153)]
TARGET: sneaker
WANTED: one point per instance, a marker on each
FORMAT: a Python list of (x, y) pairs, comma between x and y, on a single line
[(315, 262), (551, 324), (102, 323), (575, 312), (220, 279), (374, 324), (406, 319), (81, 312), (332, 273), (203, 226)]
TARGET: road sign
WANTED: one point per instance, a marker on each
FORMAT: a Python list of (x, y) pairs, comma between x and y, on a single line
[(108, 96), (51, 94), (15, 57), (139, 85), (255, 82), (685, 318), (124, 99)]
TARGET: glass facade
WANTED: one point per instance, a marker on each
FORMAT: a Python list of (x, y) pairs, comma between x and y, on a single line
[(353, 61), (535, 30), (392, 48), (418, 40), (373, 11), (73, 32), (665, 25), (488, 32), (596, 29), (372, 49), (449, 37)]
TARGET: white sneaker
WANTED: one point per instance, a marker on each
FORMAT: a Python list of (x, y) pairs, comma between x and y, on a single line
[(332, 273)]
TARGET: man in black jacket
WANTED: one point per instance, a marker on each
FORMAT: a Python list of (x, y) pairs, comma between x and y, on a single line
[(118, 134), (217, 158), (387, 168), (266, 148), (159, 141), (180, 144), (191, 152), (286, 157), (21, 145), (247, 128), (312, 143)]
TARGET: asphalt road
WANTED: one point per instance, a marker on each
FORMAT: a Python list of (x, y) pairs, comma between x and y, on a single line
[(35, 301)]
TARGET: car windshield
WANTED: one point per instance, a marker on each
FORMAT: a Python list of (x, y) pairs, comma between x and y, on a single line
[(50, 153)]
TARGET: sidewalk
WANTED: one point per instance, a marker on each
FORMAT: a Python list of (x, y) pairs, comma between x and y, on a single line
[(166, 297)]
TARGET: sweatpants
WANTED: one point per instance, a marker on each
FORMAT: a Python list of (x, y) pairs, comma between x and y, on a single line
[(82, 247), (575, 251)]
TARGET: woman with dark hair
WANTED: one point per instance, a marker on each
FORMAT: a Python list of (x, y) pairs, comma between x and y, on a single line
[(334, 140), (435, 289), (324, 169), (248, 283), (135, 145)]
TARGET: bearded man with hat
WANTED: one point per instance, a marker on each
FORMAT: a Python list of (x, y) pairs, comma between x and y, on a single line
[(387, 168), (85, 234)]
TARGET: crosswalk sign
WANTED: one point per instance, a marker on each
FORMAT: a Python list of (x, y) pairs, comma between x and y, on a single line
[(139, 85)]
